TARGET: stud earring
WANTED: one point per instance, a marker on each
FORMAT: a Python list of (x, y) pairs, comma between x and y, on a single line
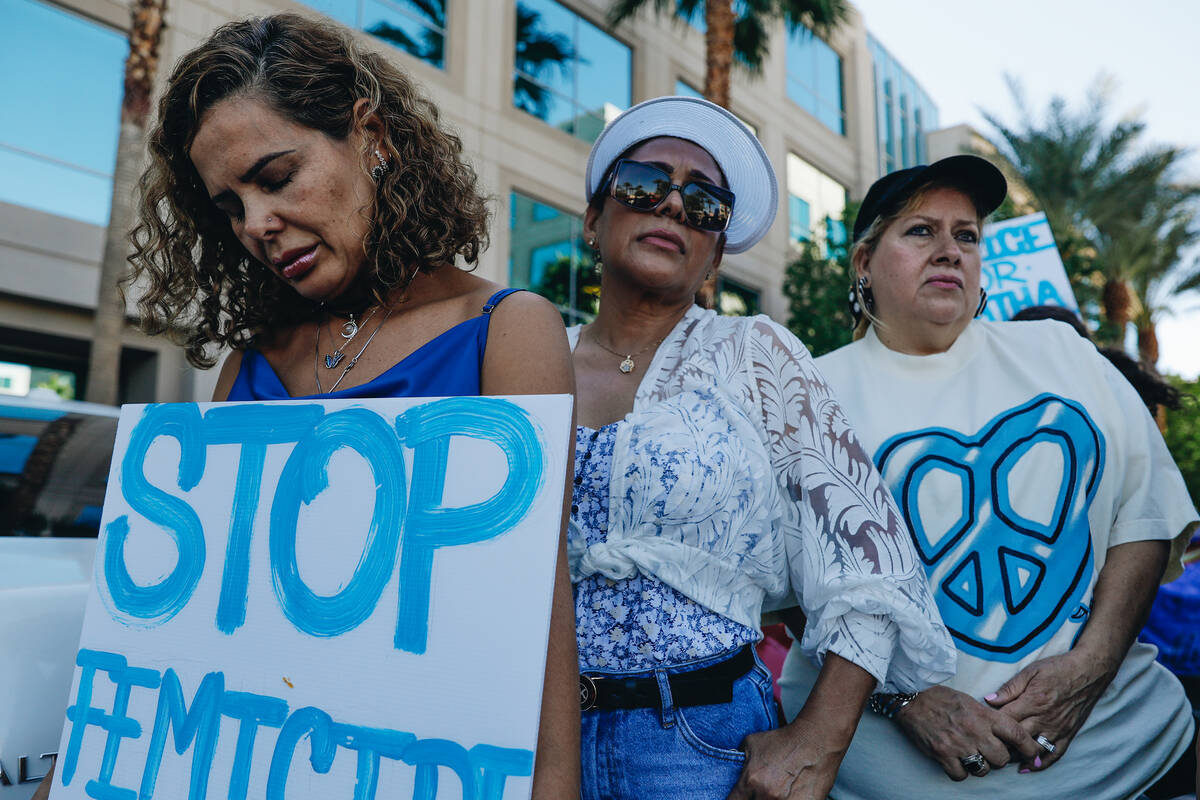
[(983, 298), (380, 169)]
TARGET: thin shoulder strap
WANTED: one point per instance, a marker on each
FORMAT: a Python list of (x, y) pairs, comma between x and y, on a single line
[(495, 299)]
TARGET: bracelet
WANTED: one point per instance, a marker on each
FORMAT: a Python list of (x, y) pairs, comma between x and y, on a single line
[(889, 705)]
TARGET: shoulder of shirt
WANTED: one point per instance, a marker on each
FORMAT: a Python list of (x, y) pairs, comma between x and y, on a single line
[(1050, 338)]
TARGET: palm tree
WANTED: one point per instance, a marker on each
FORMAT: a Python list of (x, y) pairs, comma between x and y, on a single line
[(104, 359), (743, 35), (1119, 221)]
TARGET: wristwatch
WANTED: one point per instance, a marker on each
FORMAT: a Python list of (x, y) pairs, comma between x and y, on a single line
[(888, 704)]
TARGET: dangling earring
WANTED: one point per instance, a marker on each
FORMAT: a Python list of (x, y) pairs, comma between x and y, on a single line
[(982, 302), (380, 169), (597, 264), (857, 290)]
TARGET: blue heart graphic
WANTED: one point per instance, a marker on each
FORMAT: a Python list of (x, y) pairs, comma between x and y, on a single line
[(1005, 582)]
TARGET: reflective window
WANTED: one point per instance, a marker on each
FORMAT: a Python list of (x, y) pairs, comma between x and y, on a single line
[(54, 464), (568, 72), (61, 95), (814, 78), (903, 113), (816, 204), (547, 255), (736, 299), (418, 27)]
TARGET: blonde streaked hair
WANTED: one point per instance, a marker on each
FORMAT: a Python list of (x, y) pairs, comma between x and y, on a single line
[(869, 240)]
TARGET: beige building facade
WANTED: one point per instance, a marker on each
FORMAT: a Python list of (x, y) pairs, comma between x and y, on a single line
[(817, 107)]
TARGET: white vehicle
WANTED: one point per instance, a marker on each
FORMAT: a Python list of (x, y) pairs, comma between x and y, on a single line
[(54, 464)]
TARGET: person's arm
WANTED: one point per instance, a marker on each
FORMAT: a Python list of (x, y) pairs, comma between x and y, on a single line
[(229, 373), (853, 551), (527, 353), (801, 759), (1052, 697)]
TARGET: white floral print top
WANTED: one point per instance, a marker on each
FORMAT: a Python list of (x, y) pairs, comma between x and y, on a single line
[(737, 481), (638, 623)]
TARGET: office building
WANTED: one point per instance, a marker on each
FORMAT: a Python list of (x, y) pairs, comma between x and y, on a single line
[(528, 84)]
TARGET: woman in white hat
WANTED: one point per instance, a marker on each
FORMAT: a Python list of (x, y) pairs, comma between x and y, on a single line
[(715, 472), (1042, 502)]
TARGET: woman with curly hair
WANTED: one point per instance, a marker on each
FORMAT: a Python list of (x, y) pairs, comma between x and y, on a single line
[(304, 207)]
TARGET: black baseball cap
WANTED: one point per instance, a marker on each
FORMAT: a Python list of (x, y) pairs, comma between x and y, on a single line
[(977, 176)]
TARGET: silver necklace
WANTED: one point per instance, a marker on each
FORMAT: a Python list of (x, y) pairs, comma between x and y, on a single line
[(349, 330), (352, 363)]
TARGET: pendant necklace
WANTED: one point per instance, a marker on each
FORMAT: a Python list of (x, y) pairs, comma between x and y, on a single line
[(352, 362), (627, 364), (349, 330)]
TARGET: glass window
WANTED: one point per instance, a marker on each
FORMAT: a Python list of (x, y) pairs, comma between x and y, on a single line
[(62, 98), (547, 255), (814, 79), (735, 299), (903, 112), (814, 199), (418, 27), (568, 72)]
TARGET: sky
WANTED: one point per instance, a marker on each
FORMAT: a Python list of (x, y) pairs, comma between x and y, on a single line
[(961, 50)]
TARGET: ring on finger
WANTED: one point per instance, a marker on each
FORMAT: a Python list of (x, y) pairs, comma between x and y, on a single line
[(975, 764), (1046, 744)]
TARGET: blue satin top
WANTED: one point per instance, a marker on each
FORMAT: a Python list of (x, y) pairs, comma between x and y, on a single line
[(448, 365)]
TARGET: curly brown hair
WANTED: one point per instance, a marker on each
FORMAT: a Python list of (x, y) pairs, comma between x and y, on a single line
[(201, 285)]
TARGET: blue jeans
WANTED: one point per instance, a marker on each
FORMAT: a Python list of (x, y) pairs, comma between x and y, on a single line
[(671, 753)]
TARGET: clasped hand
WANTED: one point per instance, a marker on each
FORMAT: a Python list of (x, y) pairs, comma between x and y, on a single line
[(1051, 698)]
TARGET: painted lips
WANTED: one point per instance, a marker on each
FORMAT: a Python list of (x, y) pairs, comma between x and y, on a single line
[(296, 263)]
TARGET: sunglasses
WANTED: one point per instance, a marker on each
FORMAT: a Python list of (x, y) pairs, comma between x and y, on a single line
[(644, 187)]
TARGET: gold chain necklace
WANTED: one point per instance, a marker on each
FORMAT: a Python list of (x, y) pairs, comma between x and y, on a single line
[(627, 365)]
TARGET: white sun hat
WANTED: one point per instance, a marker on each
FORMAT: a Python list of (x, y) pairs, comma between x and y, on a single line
[(736, 150)]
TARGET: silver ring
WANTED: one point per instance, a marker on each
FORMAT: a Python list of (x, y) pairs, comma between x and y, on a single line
[(1046, 744), (975, 763)]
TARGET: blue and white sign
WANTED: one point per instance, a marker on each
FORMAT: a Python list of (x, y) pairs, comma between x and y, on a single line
[(1022, 267), (317, 599)]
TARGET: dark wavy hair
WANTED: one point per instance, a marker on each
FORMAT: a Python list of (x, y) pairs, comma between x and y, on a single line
[(200, 285)]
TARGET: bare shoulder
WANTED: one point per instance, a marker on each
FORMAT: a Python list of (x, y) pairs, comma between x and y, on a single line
[(228, 374), (527, 350)]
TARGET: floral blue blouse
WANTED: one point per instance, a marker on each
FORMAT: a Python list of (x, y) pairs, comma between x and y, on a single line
[(638, 623)]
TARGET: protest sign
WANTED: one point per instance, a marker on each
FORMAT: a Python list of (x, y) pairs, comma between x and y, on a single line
[(1022, 268), (320, 599)]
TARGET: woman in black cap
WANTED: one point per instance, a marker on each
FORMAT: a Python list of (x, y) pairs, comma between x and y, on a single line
[(1042, 502), (714, 472)]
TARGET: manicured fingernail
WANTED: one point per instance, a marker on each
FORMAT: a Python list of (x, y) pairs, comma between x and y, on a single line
[(991, 696), (1022, 772), (1037, 762)]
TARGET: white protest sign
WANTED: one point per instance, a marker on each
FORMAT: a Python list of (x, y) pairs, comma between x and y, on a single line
[(1022, 268), (320, 599)]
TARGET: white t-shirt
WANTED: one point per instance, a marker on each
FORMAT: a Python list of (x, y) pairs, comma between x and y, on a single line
[(1018, 457)]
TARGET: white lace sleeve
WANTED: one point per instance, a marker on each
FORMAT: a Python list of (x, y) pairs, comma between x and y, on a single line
[(852, 564)]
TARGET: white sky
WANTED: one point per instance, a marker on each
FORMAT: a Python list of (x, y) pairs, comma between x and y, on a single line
[(960, 50)]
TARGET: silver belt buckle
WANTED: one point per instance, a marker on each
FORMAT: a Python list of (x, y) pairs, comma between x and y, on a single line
[(588, 693)]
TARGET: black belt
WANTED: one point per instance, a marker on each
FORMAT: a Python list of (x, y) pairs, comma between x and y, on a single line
[(700, 687)]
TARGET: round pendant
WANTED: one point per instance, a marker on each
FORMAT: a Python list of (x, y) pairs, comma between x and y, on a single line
[(626, 365), (349, 329)]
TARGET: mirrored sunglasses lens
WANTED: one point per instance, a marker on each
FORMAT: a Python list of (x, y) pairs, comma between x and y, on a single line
[(640, 186), (704, 210)]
